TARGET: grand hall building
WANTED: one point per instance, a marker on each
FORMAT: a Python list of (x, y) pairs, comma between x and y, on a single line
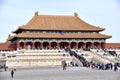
[(52, 31), (44, 34)]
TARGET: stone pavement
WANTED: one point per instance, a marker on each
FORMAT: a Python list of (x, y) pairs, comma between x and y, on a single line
[(56, 73)]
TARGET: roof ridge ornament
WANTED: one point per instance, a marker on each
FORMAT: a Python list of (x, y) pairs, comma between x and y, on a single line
[(75, 14), (36, 13)]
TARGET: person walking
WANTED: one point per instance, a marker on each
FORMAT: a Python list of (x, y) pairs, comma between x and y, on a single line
[(115, 67), (12, 73), (64, 65), (4, 67)]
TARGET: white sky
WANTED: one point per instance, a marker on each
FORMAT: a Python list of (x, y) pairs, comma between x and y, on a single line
[(103, 13)]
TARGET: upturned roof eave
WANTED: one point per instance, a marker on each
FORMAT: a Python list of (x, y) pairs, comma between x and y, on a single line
[(58, 29), (108, 37), (17, 30), (69, 37), (56, 38)]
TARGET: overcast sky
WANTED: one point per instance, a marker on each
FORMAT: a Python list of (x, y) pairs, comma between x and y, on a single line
[(103, 13)]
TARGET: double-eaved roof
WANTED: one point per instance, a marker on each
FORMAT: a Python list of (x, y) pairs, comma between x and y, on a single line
[(58, 22)]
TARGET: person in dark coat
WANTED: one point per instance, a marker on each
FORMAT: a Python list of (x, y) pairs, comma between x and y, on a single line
[(12, 73), (64, 65), (115, 67), (4, 67)]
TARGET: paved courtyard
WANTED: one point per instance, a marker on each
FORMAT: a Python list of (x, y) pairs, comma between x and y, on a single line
[(56, 73)]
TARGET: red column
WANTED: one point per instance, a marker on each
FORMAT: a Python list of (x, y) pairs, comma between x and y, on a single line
[(49, 45), (92, 45), (69, 45), (18, 45), (99, 45), (84, 45), (104, 45), (41, 46), (25, 46), (57, 46), (33, 45), (76, 46)]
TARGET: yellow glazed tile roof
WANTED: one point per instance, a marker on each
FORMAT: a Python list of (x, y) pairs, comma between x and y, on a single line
[(58, 35), (58, 22)]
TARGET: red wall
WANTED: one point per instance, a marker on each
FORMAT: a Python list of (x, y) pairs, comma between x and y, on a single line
[(112, 45), (7, 46)]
